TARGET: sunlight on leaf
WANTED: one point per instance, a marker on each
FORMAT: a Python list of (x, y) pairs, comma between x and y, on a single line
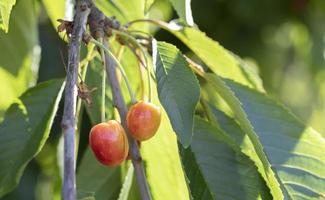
[(178, 89), (34, 112), (294, 152), (97, 181), (19, 66), (216, 170), (5, 10), (184, 11), (162, 163)]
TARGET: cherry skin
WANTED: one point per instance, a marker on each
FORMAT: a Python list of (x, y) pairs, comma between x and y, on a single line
[(143, 120), (109, 143)]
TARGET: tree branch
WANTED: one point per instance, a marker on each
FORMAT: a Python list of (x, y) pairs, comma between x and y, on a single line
[(119, 103), (69, 118), (100, 26)]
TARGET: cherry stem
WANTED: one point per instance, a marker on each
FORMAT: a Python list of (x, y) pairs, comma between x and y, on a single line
[(128, 85), (136, 43), (103, 92)]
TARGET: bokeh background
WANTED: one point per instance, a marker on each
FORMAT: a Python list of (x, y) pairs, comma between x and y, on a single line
[(283, 39)]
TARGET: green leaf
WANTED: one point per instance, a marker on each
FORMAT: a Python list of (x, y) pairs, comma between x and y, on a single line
[(162, 163), (55, 10), (216, 171), (178, 89), (127, 184), (148, 4), (235, 105), (184, 11), (295, 152), (5, 10), (19, 57), (124, 11), (197, 184), (97, 181), (109, 8), (131, 67), (216, 57), (94, 81), (25, 128)]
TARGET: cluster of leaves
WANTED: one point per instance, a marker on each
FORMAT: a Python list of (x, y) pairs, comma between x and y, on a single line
[(232, 140)]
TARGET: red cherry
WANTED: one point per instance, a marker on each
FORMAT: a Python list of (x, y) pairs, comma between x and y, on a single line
[(109, 143), (143, 120)]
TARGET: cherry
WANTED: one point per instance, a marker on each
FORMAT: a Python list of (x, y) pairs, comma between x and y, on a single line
[(109, 143), (143, 120)]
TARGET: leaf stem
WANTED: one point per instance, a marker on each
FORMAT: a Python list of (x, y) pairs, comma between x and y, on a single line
[(156, 22)]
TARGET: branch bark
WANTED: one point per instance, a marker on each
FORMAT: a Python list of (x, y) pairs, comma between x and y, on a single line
[(119, 103), (69, 118)]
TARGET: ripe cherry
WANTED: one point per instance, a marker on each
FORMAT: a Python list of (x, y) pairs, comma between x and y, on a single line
[(143, 120), (109, 143)]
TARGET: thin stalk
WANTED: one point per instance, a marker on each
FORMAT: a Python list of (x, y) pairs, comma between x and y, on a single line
[(103, 93), (142, 71), (208, 112), (142, 80), (84, 66), (120, 52), (156, 22), (136, 43), (88, 58), (128, 85), (142, 32), (149, 80)]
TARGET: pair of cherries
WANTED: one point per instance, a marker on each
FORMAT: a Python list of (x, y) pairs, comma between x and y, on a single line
[(108, 140)]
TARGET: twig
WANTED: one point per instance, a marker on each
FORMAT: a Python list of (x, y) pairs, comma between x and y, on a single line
[(103, 92), (69, 118), (119, 103)]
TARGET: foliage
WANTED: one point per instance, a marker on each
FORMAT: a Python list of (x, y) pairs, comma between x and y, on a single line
[(221, 137), (19, 66), (25, 128), (5, 10)]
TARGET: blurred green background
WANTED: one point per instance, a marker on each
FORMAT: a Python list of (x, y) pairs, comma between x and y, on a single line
[(284, 39)]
